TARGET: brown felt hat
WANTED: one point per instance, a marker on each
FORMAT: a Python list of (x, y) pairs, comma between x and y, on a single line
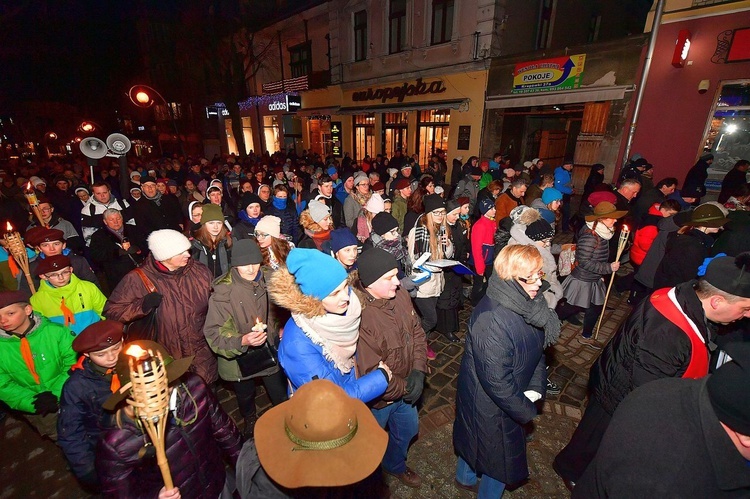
[(707, 215), (605, 209), (320, 437)]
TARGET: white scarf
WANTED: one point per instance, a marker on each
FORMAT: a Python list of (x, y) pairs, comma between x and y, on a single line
[(602, 230), (336, 334)]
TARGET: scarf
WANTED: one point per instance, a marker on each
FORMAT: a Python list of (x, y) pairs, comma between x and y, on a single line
[(395, 248), (361, 198), (279, 203), (336, 334), (119, 233), (319, 237), (534, 312), (601, 230), (156, 199), (242, 215)]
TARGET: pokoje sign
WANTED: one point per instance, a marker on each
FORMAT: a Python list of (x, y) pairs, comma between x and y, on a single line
[(545, 75), (400, 92)]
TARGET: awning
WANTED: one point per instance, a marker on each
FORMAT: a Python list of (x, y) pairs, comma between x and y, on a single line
[(305, 113), (592, 94), (406, 106)]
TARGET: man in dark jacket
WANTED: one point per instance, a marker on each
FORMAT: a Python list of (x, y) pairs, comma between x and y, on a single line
[(695, 180), (678, 438), (666, 336), (733, 179), (391, 332), (156, 211), (116, 248), (325, 194)]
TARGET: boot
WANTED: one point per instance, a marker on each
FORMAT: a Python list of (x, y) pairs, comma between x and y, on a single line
[(250, 421)]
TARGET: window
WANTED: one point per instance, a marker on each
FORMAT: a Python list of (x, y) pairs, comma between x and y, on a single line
[(546, 20), (271, 133), (394, 133), (432, 133), (364, 135), (247, 133), (728, 131), (300, 59), (442, 21), (397, 23), (360, 35)]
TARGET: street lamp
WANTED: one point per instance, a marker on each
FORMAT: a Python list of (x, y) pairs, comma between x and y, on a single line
[(143, 96)]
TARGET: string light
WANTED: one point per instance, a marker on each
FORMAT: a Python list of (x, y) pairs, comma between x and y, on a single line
[(258, 100)]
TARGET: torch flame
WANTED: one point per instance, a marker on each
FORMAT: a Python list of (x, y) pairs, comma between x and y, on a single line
[(625, 228), (135, 351), (28, 186), (8, 227)]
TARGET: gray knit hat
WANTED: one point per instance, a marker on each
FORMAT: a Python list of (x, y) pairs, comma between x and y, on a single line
[(318, 210)]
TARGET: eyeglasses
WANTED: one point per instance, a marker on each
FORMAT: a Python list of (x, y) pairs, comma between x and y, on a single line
[(260, 235), (438, 213), (63, 274), (531, 280)]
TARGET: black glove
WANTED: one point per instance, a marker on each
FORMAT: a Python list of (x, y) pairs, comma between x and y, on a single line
[(414, 386), (45, 403), (151, 300)]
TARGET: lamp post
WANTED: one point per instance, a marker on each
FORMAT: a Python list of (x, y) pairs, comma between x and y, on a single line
[(143, 96)]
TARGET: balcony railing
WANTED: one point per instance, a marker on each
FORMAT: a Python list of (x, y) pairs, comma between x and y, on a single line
[(316, 79)]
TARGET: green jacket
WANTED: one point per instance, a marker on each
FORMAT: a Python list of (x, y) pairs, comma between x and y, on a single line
[(51, 347), (233, 309), (398, 210), (83, 298)]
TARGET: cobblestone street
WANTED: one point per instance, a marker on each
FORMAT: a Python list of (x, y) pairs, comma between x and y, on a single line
[(33, 467)]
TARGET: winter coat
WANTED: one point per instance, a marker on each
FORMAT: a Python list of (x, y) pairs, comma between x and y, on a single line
[(73, 240), (390, 331), (51, 346), (398, 210), (666, 441), (503, 358), (81, 297), (233, 309), (91, 215), (303, 360), (554, 293), (468, 187), (195, 449), (216, 261), (106, 251), (504, 203), (150, 217), (683, 254), (645, 235), (643, 204), (181, 315), (695, 180), (79, 420), (563, 180), (352, 209), (646, 347), (592, 256), (482, 244), (81, 268), (289, 220), (733, 179), (651, 261)]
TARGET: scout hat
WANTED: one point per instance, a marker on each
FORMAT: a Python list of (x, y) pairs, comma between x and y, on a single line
[(707, 215), (320, 437), (605, 209), (175, 368)]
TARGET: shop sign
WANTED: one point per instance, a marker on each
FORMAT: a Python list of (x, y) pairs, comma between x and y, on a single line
[(321, 117), (336, 138), (547, 75), (400, 92), (288, 103)]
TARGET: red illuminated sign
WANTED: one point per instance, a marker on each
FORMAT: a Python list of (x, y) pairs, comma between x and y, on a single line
[(681, 48)]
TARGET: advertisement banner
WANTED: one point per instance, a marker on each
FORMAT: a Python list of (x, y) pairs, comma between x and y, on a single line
[(548, 75)]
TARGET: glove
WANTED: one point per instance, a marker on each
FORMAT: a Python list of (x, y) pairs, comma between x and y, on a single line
[(414, 386), (45, 403), (151, 300), (532, 395)]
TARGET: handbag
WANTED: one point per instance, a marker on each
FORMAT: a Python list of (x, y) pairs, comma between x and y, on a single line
[(257, 359), (143, 328)]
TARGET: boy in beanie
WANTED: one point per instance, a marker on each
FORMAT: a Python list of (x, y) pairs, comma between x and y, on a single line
[(344, 247), (35, 355), (391, 333), (64, 298), (668, 335), (92, 381), (702, 424)]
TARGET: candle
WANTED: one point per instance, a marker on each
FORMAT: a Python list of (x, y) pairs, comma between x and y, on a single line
[(31, 195), (259, 325)]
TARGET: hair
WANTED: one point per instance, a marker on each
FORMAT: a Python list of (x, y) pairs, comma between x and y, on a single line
[(518, 182), (630, 183), (324, 178), (666, 182), (110, 211), (436, 249), (414, 202), (100, 184), (705, 289), (280, 188), (670, 204), (547, 179), (426, 180), (495, 184), (517, 260), (741, 162), (202, 235), (280, 248)]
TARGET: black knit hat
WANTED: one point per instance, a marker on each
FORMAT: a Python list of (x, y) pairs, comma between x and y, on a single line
[(539, 230), (246, 252), (433, 202), (249, 198), (730, 274), (727, 389), (373, 264), (383, 222)]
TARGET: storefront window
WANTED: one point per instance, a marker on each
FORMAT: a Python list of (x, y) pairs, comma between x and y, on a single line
[(247, 133), (231, 143), (394, 133), (432, 132), (320, 136), (271, 133), (728, 129), (364, 135)]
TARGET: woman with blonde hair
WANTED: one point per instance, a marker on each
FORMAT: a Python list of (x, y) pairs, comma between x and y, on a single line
[(211, 244), (502, 373)]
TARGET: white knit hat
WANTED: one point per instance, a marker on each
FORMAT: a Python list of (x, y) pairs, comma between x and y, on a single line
[(375, 204), (166, 243), (318, 210), (270, 225)]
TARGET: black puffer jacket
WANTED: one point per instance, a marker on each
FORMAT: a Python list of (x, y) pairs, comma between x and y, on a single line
[(683, 255), (647, 347), (592, 257), (195, 449)]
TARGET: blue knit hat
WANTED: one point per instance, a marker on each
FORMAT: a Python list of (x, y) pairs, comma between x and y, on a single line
[(341, 238), (551, 194), (485, 205), (331, 171), (316, 273)]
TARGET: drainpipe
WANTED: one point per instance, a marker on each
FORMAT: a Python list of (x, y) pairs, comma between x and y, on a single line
[(644, 77)]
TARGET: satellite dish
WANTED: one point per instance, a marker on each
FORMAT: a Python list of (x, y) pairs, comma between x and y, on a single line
[(118, 144), (93, 148)]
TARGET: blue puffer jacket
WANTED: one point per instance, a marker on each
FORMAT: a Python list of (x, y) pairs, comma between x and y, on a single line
[(304, 361), (289, 220), (563, 180)]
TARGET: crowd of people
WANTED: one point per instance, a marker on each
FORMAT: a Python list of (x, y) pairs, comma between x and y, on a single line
[(288, 270)]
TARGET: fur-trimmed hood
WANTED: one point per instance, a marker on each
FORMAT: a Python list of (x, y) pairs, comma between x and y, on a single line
[(306, 221), (285, 293), (525, 215)]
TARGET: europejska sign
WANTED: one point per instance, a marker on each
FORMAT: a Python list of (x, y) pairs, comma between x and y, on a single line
[(400, 92), (545, 75)]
